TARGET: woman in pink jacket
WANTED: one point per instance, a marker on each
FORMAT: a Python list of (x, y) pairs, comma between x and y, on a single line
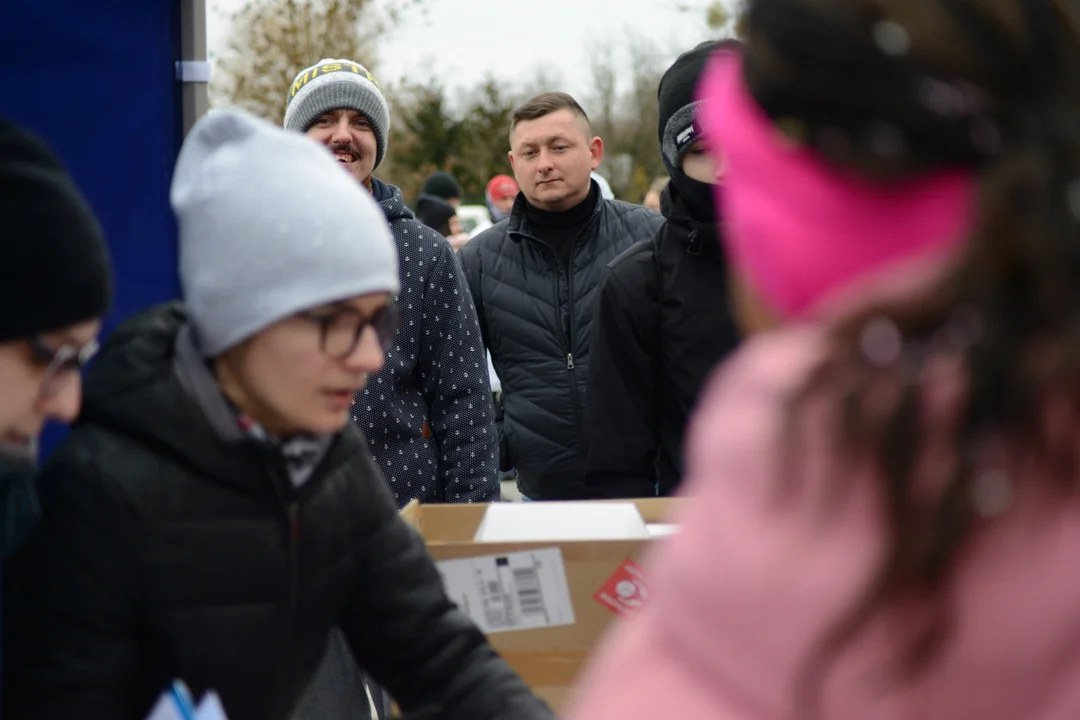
[(884, 522)]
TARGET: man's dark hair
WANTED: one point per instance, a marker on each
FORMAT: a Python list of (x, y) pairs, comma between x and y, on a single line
[(545, 104)]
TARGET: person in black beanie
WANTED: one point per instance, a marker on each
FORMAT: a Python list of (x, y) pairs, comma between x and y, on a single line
[(441, 216), (438, 215), (662, 319), (55, 287), (442, 185)]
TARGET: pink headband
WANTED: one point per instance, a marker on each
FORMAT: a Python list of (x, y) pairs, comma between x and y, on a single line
[(800, 231)]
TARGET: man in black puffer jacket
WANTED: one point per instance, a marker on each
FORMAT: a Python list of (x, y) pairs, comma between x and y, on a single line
[(663, 319), (533, 278), (214, 516)]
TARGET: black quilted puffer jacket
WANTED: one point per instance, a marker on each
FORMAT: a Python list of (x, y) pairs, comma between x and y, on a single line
[(535, 316)]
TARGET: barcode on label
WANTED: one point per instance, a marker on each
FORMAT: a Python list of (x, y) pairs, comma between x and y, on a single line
[(496, 618), (515, 591), (529, 594)]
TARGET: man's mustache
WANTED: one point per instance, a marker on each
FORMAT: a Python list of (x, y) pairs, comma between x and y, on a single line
[(346, 148)]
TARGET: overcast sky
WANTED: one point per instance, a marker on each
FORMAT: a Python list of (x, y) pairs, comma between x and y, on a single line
[(459, 41)]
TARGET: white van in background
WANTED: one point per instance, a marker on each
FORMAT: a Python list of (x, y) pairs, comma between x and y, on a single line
[(474, 219)]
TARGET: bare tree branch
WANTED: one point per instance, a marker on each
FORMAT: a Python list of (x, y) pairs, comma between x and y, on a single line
[(273, 40)]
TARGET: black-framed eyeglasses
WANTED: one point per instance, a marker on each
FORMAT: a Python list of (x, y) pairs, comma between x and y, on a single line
[(61, 363), (340, 331)]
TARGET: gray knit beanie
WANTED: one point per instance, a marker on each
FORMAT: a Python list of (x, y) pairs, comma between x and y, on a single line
[(332, 85), (270, 225)]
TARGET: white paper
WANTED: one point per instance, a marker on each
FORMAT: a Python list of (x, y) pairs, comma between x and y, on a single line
[(559, 521), (661, 529), (513, 591), (209, 709), (164, 709)]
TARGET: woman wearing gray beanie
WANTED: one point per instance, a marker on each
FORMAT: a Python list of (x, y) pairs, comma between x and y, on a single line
[(215, 516)]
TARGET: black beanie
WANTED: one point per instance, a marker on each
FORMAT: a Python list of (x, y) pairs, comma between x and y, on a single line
[(441, 184), (679, 125), (54, 270), (435, 213)]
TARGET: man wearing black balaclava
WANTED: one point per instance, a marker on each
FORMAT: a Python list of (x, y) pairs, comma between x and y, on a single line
[(662, 319)]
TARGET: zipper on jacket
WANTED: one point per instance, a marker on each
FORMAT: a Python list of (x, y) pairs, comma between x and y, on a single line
[(693, 247), (575, 398), (567, 334)]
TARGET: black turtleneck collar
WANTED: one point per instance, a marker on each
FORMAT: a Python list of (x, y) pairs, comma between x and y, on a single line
[(575, 217), (560, 230)]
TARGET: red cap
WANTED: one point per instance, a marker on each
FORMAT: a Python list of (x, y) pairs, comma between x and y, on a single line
[(502, 186)]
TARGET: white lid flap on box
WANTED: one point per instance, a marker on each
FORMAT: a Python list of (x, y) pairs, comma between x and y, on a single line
[(554, 521)]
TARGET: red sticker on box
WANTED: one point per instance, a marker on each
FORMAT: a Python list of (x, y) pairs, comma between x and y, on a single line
[(626, 591)]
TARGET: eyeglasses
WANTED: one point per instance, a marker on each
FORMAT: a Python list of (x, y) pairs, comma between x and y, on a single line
[(341, 330), (61, 363)]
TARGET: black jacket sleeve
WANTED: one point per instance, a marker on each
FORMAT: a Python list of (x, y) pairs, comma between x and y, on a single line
[(469, 257), (69, 615), (414, 641), (622, 412)]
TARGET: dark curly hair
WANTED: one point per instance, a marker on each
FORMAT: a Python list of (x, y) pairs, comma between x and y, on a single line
[(888, 91)]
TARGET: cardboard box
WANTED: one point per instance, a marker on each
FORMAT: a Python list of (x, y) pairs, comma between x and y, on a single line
[(548, 658)]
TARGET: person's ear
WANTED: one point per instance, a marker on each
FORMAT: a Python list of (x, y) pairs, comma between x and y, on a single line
[(596, 151)]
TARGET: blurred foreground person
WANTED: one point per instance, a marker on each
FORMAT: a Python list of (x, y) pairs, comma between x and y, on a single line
[(55, 287), (214, 514), (884, 522)]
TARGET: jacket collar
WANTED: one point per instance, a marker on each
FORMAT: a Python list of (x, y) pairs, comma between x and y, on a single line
[(149, 385), (518, 225)]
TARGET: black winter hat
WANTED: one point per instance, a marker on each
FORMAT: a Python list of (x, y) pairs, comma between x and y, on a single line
[(441, 184), (435, 213), (679, 126), (54, 266)]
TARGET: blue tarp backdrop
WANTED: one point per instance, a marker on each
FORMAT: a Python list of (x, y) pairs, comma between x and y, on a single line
[(96, 79)]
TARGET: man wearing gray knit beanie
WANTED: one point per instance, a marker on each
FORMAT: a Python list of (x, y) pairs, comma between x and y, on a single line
[(428, 415), (214, 517)]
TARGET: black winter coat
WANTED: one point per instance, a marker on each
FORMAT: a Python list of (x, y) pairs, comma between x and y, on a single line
[(536, 319), (662, 323), (427, 415), (167, 552)]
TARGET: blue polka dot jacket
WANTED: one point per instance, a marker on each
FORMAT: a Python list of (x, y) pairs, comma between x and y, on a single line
[(428, 415)]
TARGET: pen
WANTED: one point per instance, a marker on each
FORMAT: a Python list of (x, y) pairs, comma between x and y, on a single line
[(181, 697)]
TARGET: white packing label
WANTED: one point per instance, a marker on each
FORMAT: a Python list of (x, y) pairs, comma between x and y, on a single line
[(514, 591)]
